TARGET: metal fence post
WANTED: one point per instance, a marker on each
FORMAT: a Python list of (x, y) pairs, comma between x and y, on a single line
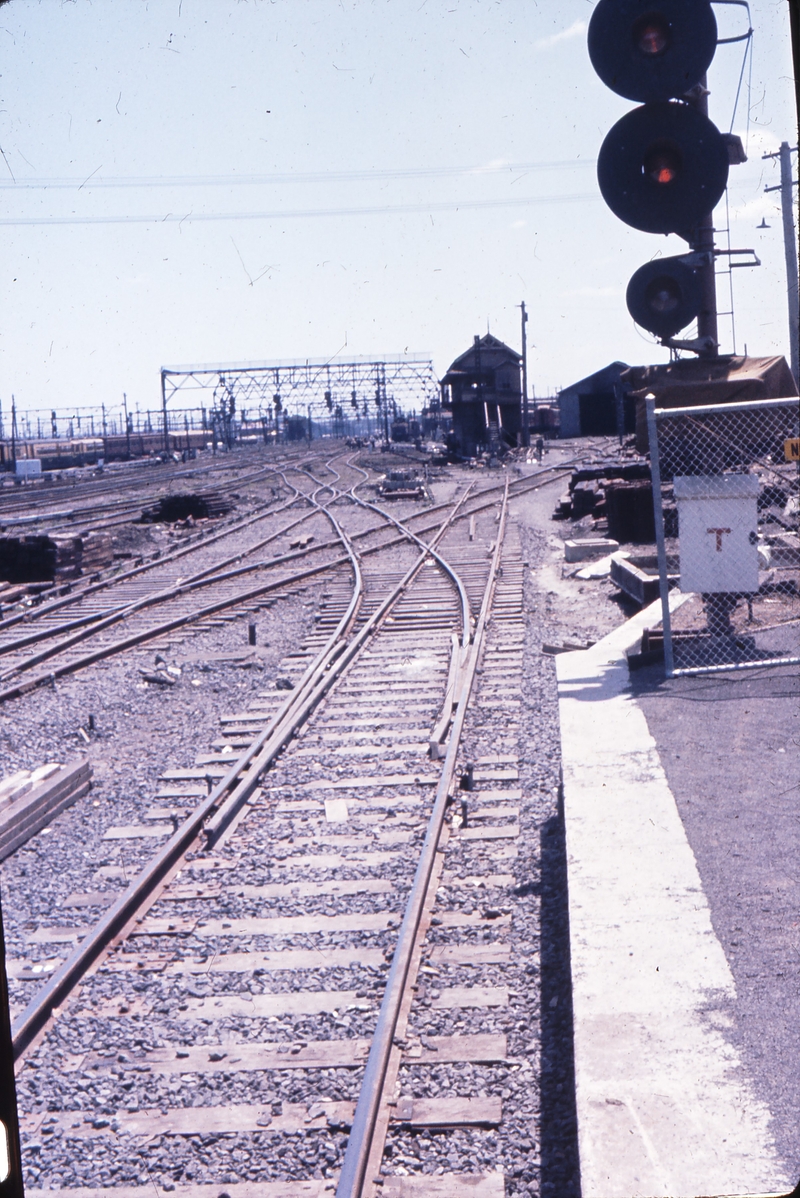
[(658, 514)]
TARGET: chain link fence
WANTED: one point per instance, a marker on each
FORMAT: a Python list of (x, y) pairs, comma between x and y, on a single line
[(725, 491)]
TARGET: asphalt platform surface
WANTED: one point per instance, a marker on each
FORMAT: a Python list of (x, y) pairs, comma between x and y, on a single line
[(729, 747)]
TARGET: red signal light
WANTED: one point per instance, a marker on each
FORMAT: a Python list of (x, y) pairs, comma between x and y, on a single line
[(662, 164), (651, 35)]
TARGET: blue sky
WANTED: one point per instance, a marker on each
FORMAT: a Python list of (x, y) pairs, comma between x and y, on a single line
[(374, 177)]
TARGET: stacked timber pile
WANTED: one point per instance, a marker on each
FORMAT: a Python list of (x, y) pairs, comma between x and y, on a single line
[(97, 552), (207, 505), (46, 559), (618, 496), (30, 799)]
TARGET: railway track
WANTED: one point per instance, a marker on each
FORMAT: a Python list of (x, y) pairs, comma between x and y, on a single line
[(209, 591), (287, 892), (320, 981), (123, 490)]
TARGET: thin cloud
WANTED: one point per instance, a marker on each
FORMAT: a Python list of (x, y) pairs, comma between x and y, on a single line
[(576, 29)]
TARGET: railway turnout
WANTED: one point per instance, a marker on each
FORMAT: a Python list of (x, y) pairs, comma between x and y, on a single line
[(307, 933)]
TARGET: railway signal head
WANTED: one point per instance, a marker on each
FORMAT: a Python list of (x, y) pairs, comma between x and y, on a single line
[(663, 296), (663, 167), (649, 51)]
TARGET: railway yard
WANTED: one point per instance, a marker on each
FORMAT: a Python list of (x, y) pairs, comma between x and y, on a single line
[(308, 930)]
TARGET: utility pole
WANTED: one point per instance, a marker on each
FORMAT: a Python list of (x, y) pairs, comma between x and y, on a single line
[(526, 431), (164, 408), (790, 249), (127, 423), (13, 432)]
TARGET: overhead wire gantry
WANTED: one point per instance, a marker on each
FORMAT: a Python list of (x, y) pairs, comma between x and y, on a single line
[(335, 392)]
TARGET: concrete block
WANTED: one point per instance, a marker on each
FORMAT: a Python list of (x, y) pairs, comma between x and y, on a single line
[(583, 550)]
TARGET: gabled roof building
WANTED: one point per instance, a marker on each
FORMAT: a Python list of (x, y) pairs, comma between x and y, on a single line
[(483, 390)]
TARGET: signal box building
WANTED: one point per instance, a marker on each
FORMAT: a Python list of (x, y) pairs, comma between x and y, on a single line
[(483, 389)]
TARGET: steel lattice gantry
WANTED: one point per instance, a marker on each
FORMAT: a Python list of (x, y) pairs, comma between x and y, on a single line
[(325, 391)]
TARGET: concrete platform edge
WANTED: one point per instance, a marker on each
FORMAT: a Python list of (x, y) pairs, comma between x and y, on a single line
[(665, 1108)]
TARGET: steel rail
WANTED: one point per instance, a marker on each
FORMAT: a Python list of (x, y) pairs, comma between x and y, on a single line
[(466, 615), (105, 617), (203, 540), (76, 594), (143, 887), (99, 621), (155, 597), (407, 534), (167, 626), (90, 625), (93, 490), (359, 1144), (329, 664)]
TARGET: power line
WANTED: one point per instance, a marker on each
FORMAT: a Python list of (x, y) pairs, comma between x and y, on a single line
[(297, 177), (295, 213)]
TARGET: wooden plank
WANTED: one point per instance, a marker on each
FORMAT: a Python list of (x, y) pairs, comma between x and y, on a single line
[(376, 780), (31, 971), (287, 925), (244, 1189), (489, 832), (415, 1185), (287, 959), (481, 1049), (459, 919), (56, 935), (470, 954), (138, 831), (177, 792), (27, 815), (318, 1054), (293, 925), (499, 775), (188, 1121), (497, 812), (471, 996), (449, 1112), (230, 1058), (193, 775), (98, 898)]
